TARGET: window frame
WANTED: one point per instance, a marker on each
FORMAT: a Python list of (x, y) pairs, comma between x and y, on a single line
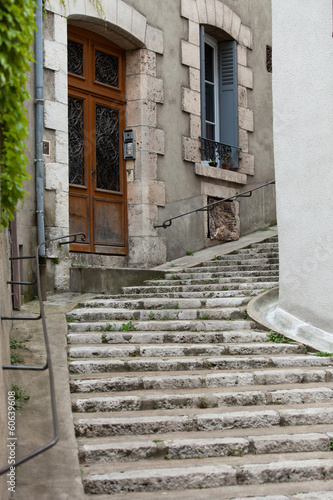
[(219, 97)]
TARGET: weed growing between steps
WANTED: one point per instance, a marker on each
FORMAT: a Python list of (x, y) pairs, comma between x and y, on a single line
[(125, 327), (278, 338), (20, 396), (15, 357), (324, 354)]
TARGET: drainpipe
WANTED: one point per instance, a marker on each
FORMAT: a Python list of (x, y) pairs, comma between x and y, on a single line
[(39, 101)]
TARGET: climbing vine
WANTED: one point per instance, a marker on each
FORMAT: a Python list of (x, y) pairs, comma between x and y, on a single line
[(17, 26)]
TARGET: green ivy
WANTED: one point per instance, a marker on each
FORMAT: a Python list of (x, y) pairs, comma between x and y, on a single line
[(17, 26)]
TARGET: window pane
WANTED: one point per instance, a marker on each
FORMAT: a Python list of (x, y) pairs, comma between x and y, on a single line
[(209, 63), (106, 68), (76, 141), (210, 132), (210, 103), (107, 148), (75, 57)]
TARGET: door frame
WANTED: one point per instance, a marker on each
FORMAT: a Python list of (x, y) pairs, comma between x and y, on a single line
[(93, 92)]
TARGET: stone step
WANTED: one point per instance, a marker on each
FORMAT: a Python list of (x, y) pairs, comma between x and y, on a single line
[(202, 363), (196, 285), (241, 254), (110, 478), (205, 309), (167, 337), (199, 291), (177, 350), (191, 446), (168, 325), (208, 398), (238, 260), (196, 380), (226, 288), (164, 303), (268, 245), (221, 282), (240, 272), (208, 420), (306, 490)]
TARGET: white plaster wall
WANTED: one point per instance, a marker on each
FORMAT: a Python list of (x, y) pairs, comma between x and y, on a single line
[(303, 148)]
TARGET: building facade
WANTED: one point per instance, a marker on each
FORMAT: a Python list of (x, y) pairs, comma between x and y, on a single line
[(139, 99)]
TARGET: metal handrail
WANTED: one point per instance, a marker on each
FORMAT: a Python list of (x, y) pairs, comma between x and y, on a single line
[(48, 363), (211, 206)]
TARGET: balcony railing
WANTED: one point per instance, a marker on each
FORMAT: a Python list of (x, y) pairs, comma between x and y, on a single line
[(221, 153)]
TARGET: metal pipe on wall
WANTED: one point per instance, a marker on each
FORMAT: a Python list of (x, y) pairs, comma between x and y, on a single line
[(39, 101)]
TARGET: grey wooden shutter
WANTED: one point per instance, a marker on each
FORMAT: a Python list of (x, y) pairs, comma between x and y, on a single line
[(229, 97), (202, 83)]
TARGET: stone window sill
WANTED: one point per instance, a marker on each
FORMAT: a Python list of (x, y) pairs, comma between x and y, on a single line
[(220, 174)]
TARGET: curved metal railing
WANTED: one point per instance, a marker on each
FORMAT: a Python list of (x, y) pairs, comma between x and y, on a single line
[(48, 364), (211, 206)]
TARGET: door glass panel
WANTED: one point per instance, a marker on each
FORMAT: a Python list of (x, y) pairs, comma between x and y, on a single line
[(75, 57), (107, 148), (76, 141), (106, 68)]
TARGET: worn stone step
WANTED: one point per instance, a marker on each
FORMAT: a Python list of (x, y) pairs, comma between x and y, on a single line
[(208, 420), (193, 447), (309, 490), (209, 398), (268, 245), (222, 324), (162, 337), (241, 254), (213, 290), (200, 291), (99, 478), (202, 363), (177, 350), (215, 273), (163, 304), (210, 311), (156, 381), (218, 285), (240, 272), (238, 262), (211, 284)]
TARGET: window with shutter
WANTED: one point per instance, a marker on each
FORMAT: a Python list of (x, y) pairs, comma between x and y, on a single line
[(219, 94)]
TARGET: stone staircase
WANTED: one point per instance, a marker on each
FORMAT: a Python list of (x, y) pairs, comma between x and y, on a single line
[(175, 391)]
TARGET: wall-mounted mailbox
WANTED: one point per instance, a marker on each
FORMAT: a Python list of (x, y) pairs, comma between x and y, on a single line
[(129, 144)]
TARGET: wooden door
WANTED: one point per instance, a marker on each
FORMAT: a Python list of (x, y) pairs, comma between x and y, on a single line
[(96, 120)]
